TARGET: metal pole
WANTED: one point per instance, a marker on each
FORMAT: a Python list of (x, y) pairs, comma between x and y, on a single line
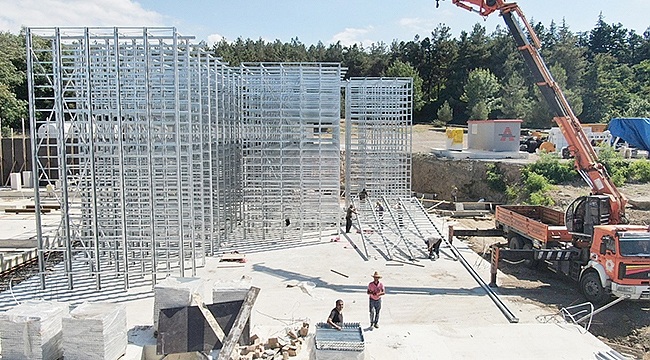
[(57, 63), (34, 151), (91, 145), (605, 307), (121, 132), (179, 177), (152, 197)]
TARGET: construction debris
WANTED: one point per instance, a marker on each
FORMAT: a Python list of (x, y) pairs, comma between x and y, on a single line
[(276, 348), (339, 273), (233, 257)]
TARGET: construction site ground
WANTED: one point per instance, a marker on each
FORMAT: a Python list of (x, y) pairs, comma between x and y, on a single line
[(433, 309), (625, 326)]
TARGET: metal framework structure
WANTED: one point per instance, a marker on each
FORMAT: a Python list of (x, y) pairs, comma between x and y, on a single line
[(290, 116), (378, 146), (159, 154), (122, 134)]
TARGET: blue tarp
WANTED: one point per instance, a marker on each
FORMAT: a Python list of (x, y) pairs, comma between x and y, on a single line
[(635, 131)]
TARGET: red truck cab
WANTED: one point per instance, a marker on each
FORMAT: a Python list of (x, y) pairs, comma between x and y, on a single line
[(619, 261)]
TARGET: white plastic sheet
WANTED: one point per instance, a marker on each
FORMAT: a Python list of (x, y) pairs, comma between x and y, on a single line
[(95, 331), (32, 330)]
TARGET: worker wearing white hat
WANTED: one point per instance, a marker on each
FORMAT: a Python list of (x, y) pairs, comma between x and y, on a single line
[(375, 291)]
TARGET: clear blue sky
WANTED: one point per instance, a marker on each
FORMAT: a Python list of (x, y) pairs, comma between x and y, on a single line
[(349, 21)]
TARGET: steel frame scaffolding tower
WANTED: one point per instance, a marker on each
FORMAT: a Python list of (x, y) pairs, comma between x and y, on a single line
[(378, 146), (122, 123), (159, 154), (290, 116)]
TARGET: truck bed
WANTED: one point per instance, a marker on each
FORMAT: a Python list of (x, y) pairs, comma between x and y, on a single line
[(534, 222)]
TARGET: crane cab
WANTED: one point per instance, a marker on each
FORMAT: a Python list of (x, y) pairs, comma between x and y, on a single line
[(586, 212)]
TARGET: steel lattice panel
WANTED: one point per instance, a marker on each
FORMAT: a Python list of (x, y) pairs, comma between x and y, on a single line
[(378, 136), (159, 154), (126, 120)]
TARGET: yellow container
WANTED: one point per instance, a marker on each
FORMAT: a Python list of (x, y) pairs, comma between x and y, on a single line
[(454, 138)]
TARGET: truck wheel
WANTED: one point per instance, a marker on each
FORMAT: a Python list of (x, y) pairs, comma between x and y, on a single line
[(516, 242), (592, 289)]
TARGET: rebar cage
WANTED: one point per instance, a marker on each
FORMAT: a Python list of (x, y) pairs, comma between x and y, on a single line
[(160, 154)]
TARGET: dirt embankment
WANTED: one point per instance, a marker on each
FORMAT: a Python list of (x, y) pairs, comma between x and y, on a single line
[(432, 175)]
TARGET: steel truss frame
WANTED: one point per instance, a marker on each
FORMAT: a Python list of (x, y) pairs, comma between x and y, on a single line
[(122, 122), (159, 154), (378, 141)]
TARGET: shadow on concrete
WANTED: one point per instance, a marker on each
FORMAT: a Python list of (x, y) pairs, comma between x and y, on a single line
[(286, 275), (84, 289)]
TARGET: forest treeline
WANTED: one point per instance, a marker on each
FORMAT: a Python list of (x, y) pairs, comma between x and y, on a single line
[(604, 72)]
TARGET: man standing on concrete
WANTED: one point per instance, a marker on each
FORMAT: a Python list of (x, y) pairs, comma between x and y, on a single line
[(335, 319), (375, 291), (348, 218)]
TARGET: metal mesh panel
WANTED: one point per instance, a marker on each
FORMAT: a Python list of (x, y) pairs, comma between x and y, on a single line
[(122, 144), (378, 136), (290, 152), (159, 154)]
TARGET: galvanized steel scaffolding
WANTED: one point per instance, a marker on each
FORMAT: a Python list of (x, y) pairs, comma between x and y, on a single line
[(160, 154), (378, 119)]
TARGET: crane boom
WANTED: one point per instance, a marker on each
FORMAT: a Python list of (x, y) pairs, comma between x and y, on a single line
[(586, 159)]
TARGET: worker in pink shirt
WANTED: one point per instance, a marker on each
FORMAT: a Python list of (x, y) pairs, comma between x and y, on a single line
[(375, 291)]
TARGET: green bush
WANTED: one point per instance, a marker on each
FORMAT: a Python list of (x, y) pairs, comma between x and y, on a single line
[(513, 192), (639, 170), (534, 182), (541, 198), (495, 178), (615, 164), (5, 132), (532, 190), (553, 170)]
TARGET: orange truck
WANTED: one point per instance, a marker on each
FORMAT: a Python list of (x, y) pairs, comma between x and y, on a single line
[(613, 260)]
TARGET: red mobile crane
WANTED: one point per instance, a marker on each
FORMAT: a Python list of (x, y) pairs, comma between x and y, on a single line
[(591, 245), (603, 190)]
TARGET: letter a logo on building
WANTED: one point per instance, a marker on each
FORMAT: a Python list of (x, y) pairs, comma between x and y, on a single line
[(507, 135)]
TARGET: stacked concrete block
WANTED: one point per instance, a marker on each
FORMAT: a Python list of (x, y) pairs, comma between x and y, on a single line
[(32, 330), (175, 292), (95, 332)]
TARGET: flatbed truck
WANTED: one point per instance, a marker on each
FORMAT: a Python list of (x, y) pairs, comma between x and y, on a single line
[(615, 260)]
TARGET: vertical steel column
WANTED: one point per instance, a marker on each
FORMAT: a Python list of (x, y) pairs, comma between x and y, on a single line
[(121, 133), (62, 148), (152, 198), (35, 171), (348, 145), (179, 177), (89, 123)]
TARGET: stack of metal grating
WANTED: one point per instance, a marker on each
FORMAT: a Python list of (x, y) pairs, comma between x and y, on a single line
[(347, 343), (160, 154)]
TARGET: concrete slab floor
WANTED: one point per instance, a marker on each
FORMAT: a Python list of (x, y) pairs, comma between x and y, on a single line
[(434, 311)]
